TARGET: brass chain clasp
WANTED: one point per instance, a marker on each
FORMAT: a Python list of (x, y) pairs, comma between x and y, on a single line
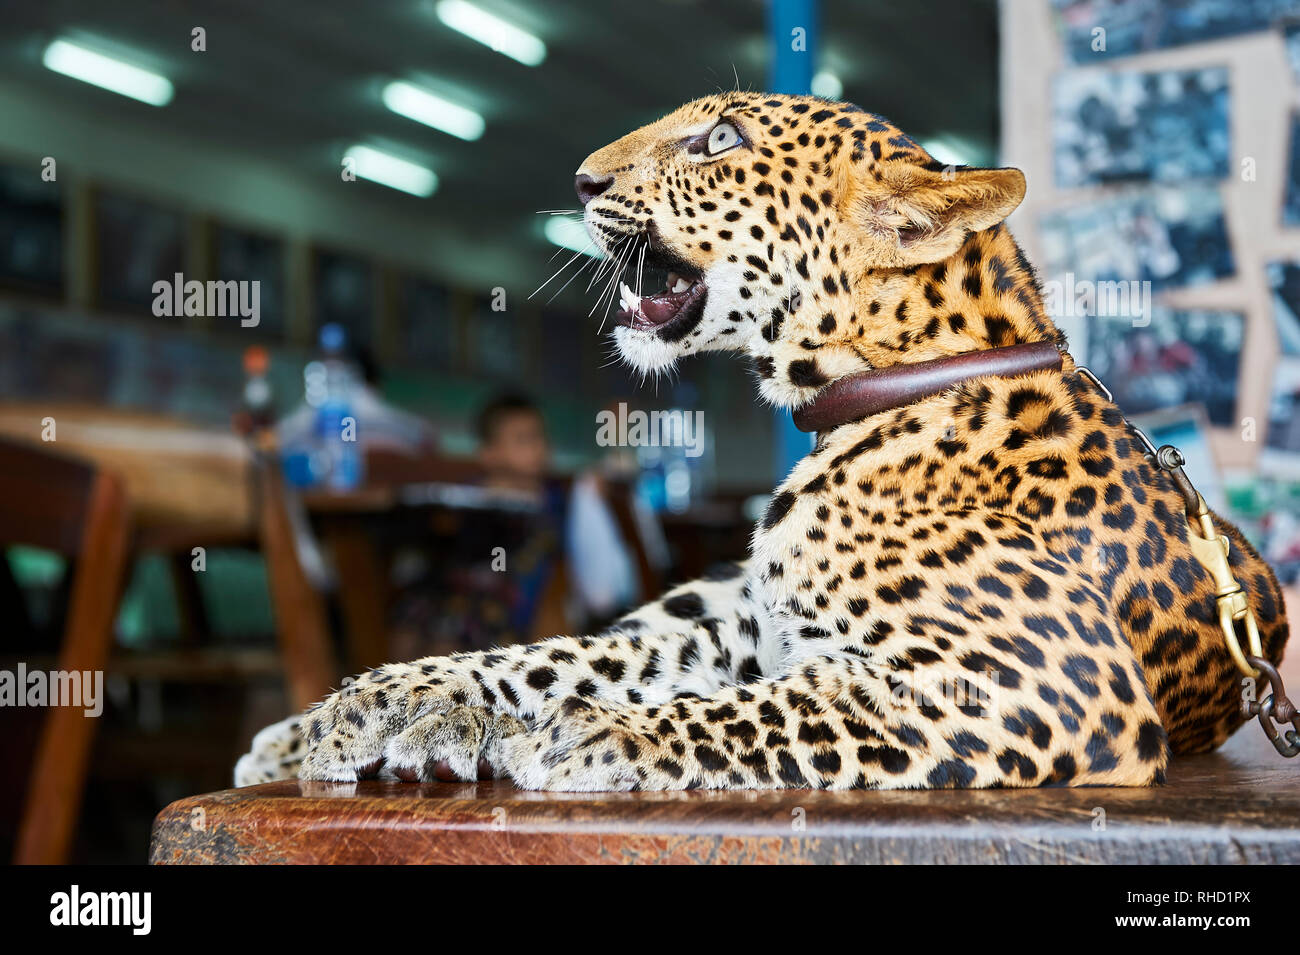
[(1211, 551), (1274, 711), (1210, 548)]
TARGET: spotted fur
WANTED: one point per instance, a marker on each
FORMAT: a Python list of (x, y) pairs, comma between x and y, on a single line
[(989, 587)]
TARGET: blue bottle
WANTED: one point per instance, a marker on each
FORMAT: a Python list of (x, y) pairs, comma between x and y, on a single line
[(337, 430)]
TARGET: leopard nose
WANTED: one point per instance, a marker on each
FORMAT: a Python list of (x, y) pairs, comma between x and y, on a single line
[(589, 187)]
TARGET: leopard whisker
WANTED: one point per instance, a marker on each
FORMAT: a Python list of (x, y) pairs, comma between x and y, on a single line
[(599, 274), (611, 288), (640, 267), (605, 267), (615, 270), (591, 244), (576, 273), (614, 278)]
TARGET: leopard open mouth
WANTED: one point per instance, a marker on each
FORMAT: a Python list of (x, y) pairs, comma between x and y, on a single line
[(680, 300)]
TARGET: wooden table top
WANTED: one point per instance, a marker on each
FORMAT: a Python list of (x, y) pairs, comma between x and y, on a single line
[(176, 473), (1238, 805)]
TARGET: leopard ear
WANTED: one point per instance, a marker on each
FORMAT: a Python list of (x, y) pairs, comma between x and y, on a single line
[(912, 215)]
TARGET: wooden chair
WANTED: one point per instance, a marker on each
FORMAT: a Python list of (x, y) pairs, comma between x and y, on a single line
[(80, 511), (392, 467), (301, 627)]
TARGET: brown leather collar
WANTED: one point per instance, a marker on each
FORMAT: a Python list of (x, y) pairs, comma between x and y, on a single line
[(884, 389)]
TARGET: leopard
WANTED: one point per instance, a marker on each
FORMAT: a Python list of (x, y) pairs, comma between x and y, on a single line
[(989, 587)]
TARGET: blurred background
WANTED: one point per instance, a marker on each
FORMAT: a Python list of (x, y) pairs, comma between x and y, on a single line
[(285, 392)]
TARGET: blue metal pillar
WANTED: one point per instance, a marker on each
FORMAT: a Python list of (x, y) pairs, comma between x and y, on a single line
[(792, 32)]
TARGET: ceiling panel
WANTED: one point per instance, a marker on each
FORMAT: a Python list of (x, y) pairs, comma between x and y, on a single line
[(293, 82)]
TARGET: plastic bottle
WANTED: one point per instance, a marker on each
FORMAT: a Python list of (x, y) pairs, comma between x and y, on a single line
[(257, 404), (337, 429)]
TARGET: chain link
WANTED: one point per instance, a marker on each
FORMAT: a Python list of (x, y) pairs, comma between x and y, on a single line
[(1210, 549)]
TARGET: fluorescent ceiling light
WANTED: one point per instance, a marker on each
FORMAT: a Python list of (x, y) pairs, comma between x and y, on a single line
[(424, 107), (571, 234), (107, 73), (388, 170), (827, 84), (492, 31)]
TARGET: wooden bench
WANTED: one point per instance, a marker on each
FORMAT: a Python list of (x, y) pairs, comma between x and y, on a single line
[(1238, 805)]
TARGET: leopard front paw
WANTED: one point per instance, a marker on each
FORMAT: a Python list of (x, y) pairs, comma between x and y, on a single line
[(581, 746), (462, 744), (405, 722)]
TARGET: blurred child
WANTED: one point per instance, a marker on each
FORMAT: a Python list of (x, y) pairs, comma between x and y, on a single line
[(503, 564), (513, 447), (516, 455)]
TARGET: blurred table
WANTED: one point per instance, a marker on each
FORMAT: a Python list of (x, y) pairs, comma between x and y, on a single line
[(183, 482), (348, 524), (1240, 804), (188, 486)]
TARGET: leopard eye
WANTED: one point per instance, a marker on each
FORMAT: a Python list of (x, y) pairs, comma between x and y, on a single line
[(724, 136)]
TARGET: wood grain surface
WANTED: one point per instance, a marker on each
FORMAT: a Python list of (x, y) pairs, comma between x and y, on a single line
[(1238, 805)]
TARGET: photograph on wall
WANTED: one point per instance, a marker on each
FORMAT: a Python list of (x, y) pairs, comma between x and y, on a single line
[(563, 350), (252, 257), (1291, 39), (1168, 126), (495, 347), (1291, 201), (1284, 289), (427, 326), (343, 293), (1281, 453), (1169, 237), (1179, 357), (31, 232), (1187, 429), (138, 243), (1267, 510), (1136, 26)]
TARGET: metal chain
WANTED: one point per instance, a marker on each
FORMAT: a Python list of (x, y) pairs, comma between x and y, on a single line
[(1274, 711), (1210, 549)]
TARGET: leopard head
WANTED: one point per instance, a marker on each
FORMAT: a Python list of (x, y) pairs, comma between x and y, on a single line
[(812, 235)]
